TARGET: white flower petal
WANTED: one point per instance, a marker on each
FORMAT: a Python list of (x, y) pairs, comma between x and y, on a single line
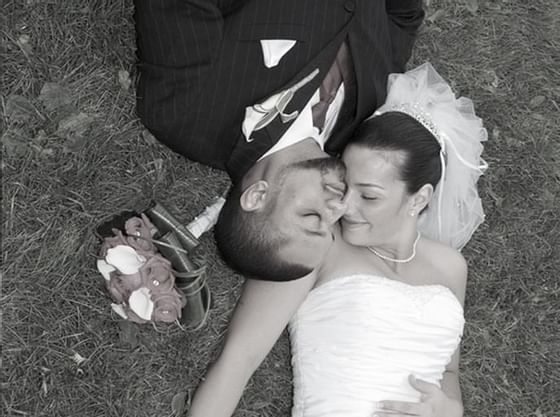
[(105, 269), (140, 302), (125, 259), (119, 309)]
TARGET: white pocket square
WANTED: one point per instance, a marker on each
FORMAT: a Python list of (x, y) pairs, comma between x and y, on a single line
[(274, 50)]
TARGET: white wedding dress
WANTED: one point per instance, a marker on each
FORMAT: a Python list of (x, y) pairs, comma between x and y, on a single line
[(356, 339)]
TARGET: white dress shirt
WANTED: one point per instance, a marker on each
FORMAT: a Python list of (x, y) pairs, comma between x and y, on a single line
[(302, 128)]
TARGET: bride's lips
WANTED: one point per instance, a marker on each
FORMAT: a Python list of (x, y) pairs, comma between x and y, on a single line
[(350, 224)]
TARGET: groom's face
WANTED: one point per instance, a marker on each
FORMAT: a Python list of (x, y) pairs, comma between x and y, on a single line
[(309, 203)]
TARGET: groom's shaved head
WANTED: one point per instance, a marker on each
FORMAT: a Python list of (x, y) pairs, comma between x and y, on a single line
[(277, 225), (251, 244)]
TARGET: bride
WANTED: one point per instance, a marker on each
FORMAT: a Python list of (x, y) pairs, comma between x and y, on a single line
[(376, 329)]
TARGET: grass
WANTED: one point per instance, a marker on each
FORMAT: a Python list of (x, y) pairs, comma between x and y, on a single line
[(57, 183)]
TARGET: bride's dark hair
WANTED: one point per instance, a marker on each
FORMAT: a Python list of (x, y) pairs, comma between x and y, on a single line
[(395, 131)]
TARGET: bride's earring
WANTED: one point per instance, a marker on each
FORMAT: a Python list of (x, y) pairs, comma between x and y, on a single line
[(411, 213)]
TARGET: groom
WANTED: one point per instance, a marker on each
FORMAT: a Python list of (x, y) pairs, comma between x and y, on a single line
[(270, 91)]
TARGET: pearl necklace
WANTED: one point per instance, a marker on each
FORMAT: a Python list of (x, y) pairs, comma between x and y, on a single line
[(399, 261)]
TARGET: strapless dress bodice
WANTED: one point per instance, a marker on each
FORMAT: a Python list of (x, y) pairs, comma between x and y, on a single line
[(356, 339)]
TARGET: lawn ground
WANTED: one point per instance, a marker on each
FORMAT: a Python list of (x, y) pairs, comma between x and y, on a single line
[(73, 152)]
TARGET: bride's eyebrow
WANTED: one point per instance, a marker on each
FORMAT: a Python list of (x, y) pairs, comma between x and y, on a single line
[(369, 185)]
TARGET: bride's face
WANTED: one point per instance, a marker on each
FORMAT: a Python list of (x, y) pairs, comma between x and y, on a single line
[(378, 204)]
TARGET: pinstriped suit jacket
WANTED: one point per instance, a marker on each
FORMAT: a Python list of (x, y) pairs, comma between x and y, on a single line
[(201, 65)]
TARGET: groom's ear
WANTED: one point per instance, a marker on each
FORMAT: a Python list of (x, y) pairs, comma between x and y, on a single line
[(254, 197), (421, 198)]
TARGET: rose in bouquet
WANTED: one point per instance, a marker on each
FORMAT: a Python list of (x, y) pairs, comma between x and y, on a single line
[(138, 278)]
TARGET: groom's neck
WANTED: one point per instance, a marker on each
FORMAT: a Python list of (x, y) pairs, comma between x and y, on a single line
[(275, 162)]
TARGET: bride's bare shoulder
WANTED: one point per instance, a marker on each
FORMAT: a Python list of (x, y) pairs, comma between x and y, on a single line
[(450, 265)]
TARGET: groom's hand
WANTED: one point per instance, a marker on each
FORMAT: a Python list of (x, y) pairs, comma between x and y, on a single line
[(433, 403)]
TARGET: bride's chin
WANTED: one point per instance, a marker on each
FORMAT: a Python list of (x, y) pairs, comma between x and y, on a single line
[(352, 237), (353, 230)]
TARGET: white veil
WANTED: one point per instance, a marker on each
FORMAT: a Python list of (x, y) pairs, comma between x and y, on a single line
[(455, 210)]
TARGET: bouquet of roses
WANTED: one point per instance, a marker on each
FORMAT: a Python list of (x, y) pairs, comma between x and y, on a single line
[(143, 260), (139, 279)]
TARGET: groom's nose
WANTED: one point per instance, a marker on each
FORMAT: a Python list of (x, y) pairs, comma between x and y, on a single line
[(336, 209), (348, 201)]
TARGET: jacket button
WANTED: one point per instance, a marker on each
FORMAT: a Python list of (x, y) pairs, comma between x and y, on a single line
[(349, 6)]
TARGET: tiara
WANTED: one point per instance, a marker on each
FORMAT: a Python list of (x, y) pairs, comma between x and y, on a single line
[(415, 111)]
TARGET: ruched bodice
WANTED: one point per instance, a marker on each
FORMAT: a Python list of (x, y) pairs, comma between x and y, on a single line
[(356, 339)]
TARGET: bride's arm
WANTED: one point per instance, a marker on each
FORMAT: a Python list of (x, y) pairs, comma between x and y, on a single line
[(445, 401), (451, 387), (436, 402), (450, 381), (261, 314)]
